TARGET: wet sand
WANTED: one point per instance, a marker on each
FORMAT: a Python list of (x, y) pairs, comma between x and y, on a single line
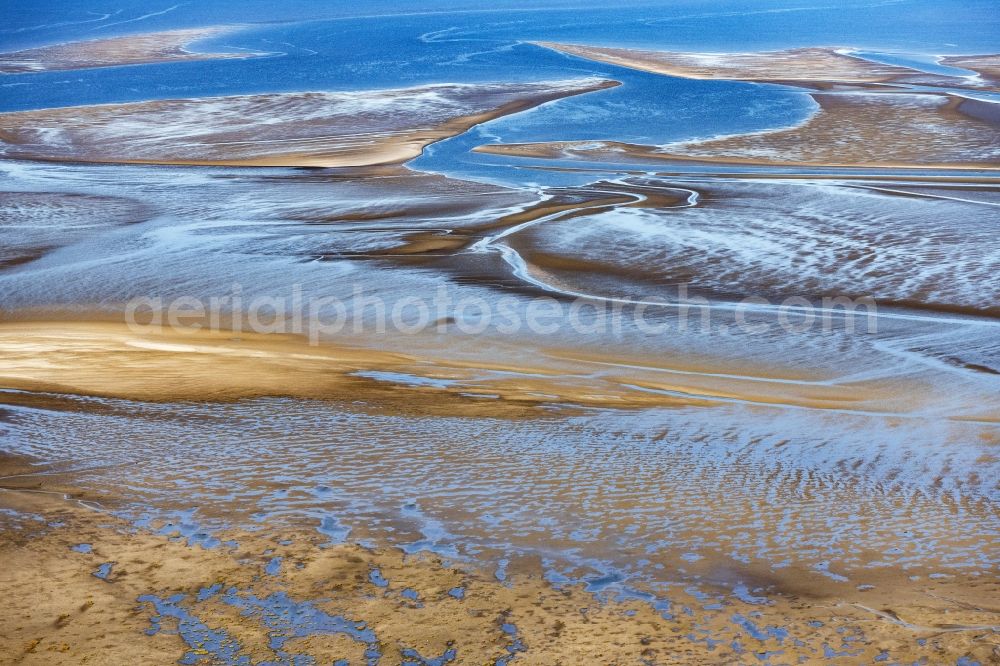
[(166, 46), (36, 223), (109, 359), (625, 240), (897, 131), (891, 261), (312, 129), (705, 496), (84, 584)]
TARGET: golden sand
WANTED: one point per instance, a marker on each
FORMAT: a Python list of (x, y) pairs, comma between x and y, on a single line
[(110, 359), (58, 612)]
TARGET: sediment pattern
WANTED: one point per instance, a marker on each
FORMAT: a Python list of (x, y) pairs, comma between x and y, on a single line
[(289, 129)]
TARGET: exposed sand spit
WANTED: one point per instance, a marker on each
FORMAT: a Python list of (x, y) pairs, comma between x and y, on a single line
[(322, 129), (800, 66)]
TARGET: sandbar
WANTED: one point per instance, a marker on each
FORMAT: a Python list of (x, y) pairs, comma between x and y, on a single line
[(813, 67)]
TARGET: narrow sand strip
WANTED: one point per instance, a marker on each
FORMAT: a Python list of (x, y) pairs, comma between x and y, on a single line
[(813, 67), (803, 65)]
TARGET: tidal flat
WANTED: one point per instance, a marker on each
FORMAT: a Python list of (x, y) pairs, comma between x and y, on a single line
[(512, 335)]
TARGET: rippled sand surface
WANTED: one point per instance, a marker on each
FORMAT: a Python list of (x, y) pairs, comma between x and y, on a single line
[(35, 223), (711, 540), (778, 238)]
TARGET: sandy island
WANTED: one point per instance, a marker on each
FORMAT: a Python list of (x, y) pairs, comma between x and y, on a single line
[(318, 129), (165, 46)]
